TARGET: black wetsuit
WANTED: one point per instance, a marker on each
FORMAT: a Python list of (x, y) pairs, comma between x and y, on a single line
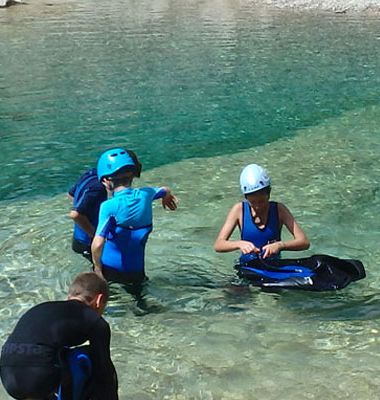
[(31, 359)]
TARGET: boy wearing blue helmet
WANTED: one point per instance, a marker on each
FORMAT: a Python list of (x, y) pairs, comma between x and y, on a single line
[(125, 220), (260, 221)]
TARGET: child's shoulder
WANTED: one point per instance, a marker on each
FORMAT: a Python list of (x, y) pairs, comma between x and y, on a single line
[(147, 188), (237, 207), (150, 191)]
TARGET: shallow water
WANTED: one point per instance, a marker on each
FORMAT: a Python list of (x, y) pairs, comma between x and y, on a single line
[(201, 90)]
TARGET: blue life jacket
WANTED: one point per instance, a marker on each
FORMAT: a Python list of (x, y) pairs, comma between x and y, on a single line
[(124, 249), (259, 236)]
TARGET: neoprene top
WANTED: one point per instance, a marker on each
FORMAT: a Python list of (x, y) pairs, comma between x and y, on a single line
[(126, 222), (88, 194), (47, 328), (260, 236), (129, 208)]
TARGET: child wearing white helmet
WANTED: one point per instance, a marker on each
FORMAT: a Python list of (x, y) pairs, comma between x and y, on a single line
[(260, 221)]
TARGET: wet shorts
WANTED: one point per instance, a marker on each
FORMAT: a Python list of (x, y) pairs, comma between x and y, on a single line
[(29, 370)]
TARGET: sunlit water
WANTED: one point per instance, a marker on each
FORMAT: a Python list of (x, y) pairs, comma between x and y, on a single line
[(200, 90)]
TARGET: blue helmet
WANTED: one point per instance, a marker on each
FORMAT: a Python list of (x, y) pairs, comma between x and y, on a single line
[(113, 160)]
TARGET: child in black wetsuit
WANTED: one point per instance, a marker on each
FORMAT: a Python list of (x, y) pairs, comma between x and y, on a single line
[(31, 363)]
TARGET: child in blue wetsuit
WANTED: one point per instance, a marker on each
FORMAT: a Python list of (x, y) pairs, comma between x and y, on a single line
[(87, 195), (125, 220), (260, 221)]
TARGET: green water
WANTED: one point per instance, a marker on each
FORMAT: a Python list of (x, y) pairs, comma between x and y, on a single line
[(171, 81), (199, 90)]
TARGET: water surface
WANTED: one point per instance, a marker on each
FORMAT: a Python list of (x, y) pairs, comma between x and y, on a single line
[(199, 90), (170, 80)]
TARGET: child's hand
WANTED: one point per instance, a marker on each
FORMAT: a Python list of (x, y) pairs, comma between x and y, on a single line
[(99, 271), (169, 201), (271, 249), (248, 247)]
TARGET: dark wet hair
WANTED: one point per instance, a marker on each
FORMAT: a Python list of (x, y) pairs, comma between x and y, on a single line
[(138, 165), (265, 190), (119, 180), (88, 285)]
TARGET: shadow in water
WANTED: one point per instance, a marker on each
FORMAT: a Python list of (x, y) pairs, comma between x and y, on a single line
[(339, 306)]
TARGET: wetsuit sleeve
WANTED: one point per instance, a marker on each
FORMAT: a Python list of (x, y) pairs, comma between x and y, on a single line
[(106, 220), (88, 199), (159, 193), (154, 193), (72, 190), (104, 378)]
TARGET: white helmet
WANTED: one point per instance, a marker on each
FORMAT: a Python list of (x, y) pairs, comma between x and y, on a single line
[(253, 178)]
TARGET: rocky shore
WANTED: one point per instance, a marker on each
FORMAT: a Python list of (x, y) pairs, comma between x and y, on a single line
[(337, 6), (5, 3)]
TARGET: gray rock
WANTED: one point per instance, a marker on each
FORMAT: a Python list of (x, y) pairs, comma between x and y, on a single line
[(337, 6), (7, 3)]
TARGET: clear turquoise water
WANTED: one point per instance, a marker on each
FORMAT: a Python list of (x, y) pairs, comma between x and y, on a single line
[(199, 90), (172, 82)]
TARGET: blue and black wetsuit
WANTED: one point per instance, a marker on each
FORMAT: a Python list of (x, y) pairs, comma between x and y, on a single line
[(88, 194), (259, 236), (31, 358), (126, 222)]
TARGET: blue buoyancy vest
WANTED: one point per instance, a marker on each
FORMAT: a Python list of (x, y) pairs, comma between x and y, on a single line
[(260, 236), (124, 249), (126, 222)]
